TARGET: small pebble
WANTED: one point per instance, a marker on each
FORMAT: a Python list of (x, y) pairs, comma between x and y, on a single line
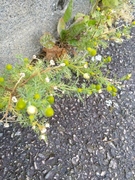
[(113, 164), (75, 160)]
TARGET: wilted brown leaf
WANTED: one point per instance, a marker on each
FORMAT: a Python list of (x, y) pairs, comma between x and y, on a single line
[(54, 53)]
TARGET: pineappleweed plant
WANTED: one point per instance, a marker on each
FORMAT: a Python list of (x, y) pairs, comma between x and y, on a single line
[(28, 91)]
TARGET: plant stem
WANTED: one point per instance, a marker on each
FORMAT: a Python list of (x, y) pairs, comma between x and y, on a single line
[(36, 73), (7, 110), (77, 68), (5, 88)]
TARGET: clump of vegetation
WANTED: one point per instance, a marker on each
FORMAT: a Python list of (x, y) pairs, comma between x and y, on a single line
[(28, 91)]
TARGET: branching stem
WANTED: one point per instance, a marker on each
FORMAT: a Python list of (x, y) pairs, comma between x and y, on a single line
[(16, 85)]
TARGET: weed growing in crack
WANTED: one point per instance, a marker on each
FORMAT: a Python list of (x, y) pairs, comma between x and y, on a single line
[(28, 91)]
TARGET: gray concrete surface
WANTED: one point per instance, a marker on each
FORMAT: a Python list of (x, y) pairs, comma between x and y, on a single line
[(22, 22)]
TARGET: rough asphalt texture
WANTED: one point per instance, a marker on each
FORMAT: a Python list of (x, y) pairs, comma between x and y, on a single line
[(86, 141)]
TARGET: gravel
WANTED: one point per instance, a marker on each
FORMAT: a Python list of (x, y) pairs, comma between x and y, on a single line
[(90, 140)]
